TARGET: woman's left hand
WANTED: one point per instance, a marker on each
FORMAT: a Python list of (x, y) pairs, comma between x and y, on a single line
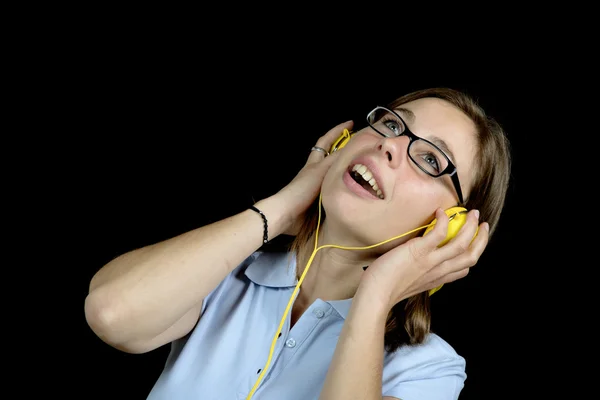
[(420, 265)]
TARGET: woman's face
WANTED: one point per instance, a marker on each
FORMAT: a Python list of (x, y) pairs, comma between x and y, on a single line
[(410, 196)]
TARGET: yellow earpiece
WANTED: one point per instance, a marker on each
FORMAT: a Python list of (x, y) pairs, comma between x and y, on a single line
[(458, 217), (341, 141)]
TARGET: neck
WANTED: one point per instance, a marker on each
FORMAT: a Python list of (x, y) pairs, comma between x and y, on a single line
[(334, 274)]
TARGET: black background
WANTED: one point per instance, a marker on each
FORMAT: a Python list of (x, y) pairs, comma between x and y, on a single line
[(166, 156), (161, 138)]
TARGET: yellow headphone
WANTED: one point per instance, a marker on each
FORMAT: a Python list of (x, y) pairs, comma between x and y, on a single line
[(457, 218), (341, 141), (457, 215)]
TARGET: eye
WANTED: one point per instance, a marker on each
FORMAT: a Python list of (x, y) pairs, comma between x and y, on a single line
[(428, 156), (432, 161), (395, 126)]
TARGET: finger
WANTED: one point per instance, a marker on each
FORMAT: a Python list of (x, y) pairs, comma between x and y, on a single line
[(450, 277), (421, 247), (323, 165), (440, 230), (462, 241), (468, 258), (476, 248), (327, 140)]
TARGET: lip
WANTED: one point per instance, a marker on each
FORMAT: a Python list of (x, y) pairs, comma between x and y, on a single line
[(358, 189)]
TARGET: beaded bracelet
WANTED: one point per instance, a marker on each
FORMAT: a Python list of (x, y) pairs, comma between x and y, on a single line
[(266, 232)]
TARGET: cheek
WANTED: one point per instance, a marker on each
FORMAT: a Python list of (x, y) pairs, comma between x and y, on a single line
[(362, 139), (414, 191), (354, 146), (418, 196), (417, 199), (344, 158)]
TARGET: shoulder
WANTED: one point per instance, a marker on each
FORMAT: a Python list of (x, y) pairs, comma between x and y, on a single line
[(435, 347), (240, 270), (434, 351), (433, 366), (232, 278), (262, 269)]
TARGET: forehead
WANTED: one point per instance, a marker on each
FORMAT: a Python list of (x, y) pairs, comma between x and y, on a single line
[(438, 120)]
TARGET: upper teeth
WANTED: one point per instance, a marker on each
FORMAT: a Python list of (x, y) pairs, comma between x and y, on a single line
[(368, 176)]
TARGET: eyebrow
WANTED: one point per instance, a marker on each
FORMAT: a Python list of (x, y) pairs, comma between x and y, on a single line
[(444, 147), (410, 116), (406, 113)]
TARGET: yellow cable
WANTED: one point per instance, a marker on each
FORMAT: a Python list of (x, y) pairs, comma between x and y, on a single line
[(287, 309)]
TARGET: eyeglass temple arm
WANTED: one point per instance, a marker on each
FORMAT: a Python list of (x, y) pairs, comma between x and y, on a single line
[(454, 176)]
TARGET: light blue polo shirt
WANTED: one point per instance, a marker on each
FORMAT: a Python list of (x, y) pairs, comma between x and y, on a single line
[(222, 357)]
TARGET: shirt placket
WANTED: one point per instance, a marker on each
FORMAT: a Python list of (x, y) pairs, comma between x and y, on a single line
[(280, 344), (294, 338)]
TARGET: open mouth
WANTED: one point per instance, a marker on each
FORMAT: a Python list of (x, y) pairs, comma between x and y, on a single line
[(361, 175)]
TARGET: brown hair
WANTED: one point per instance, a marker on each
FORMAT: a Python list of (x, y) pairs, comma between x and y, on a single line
[(409, 321)]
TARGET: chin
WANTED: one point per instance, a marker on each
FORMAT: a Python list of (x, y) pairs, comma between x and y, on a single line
[(341, 205), (345, 214)]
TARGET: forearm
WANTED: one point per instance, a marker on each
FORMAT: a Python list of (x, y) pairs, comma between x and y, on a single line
[(357, 365), (142, 293)]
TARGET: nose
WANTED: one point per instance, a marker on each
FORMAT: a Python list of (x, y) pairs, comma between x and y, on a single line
[(395, 149)]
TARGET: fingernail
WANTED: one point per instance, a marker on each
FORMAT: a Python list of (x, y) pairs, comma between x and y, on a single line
[(476, 212), (486, 226)]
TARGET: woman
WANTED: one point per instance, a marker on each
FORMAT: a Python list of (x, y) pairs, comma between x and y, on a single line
[(323, 322)]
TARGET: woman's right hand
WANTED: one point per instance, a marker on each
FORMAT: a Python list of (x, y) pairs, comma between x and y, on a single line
[(301, 192)]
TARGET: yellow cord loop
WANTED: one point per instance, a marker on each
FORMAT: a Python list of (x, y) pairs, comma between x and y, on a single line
[(287, 309)]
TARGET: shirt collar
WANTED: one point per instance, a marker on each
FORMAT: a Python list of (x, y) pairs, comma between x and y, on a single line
[(273, 269), (278, 270)]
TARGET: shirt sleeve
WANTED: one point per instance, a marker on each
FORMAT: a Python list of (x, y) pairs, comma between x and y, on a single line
[(432, 372), (442, 388)]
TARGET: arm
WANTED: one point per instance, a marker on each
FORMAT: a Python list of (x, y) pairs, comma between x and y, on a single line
[(356, 370), (153, 295), (357, 365)]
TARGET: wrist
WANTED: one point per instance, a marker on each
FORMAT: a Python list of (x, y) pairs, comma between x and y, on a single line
[(369, 312), (273, 208), (373, 301)]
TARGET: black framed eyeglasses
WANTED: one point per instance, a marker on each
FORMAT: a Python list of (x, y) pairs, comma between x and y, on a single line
[(426, 155)]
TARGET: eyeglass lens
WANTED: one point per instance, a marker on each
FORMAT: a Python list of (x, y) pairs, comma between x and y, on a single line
[(425, 154)]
